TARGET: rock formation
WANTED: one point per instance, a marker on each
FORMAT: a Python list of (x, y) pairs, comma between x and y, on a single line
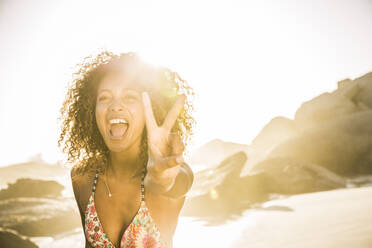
[(11, 239), (26, 187), (39, 216), (36, 208), (332, 130), (220, 193), (33, 170), (215, 151), (327, 146)]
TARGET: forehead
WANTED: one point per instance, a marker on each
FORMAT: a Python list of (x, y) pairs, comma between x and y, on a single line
[(119, 82)]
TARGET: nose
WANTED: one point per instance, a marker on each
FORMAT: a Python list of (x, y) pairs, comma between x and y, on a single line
[(116, 106)]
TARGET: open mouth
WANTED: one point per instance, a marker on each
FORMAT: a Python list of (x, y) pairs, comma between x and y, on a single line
[(118, 131)]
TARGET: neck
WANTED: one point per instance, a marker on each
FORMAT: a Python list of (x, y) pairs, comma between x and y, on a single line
[(125, 165)]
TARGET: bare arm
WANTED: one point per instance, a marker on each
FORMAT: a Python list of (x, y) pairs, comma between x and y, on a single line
[(182, 183), (76, 185)]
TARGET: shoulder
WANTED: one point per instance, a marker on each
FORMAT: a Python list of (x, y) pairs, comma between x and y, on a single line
[(80, 179), (82, 183)]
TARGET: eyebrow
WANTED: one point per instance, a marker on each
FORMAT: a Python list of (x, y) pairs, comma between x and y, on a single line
[(127, 90)]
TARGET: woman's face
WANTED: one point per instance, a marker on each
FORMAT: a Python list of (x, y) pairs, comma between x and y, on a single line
[(119, 112)]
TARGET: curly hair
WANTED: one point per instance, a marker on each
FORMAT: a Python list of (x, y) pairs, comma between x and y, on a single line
[(80, 138)]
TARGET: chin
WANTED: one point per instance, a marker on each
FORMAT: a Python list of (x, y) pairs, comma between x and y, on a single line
[(121, 145), (117, 147)]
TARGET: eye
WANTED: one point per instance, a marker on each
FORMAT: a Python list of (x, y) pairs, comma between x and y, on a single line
[(130, 98), (102, 98)]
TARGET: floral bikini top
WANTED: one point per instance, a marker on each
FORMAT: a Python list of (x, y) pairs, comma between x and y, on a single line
[(141, 232)]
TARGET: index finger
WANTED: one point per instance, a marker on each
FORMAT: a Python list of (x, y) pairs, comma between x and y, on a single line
[(173, 113), (149, 114)]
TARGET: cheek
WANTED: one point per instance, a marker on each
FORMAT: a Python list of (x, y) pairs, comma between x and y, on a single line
[(100, 117), (139, 115)]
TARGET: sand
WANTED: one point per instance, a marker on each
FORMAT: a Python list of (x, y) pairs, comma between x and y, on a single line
[(337, 218)]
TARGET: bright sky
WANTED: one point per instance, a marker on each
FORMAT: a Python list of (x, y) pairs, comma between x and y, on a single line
[(247, 61)]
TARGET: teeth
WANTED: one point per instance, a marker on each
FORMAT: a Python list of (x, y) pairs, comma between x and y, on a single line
[(118, 121)]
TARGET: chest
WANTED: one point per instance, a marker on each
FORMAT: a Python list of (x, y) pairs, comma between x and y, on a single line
[(118, 212)]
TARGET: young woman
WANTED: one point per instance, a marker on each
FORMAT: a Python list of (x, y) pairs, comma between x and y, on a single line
[(124, 126)]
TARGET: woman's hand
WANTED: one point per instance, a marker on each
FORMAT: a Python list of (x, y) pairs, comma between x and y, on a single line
[(164, 148)]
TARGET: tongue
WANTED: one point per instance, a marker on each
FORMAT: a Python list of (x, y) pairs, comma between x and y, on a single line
[(118, 130)]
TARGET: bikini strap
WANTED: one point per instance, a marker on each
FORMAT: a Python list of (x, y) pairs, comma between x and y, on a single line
[(143, 186), (94, 183)]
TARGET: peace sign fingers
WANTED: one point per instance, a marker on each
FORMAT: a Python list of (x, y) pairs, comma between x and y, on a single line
[(164, 148), (169, 119)]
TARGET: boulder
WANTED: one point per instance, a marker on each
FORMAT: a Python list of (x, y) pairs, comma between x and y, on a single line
[(343, 146), (331, 130), (209, 178), (26, 187), (286, 175), (350, 97), (217, 193), (11, 239), (214, 152), (33, 169), (220, 193), (323, 108), (278, 130), (273, 133), (327, 146), (39, 216), (364, 96)]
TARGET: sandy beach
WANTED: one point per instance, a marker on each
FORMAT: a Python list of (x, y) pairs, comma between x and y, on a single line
[(338, 218)]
